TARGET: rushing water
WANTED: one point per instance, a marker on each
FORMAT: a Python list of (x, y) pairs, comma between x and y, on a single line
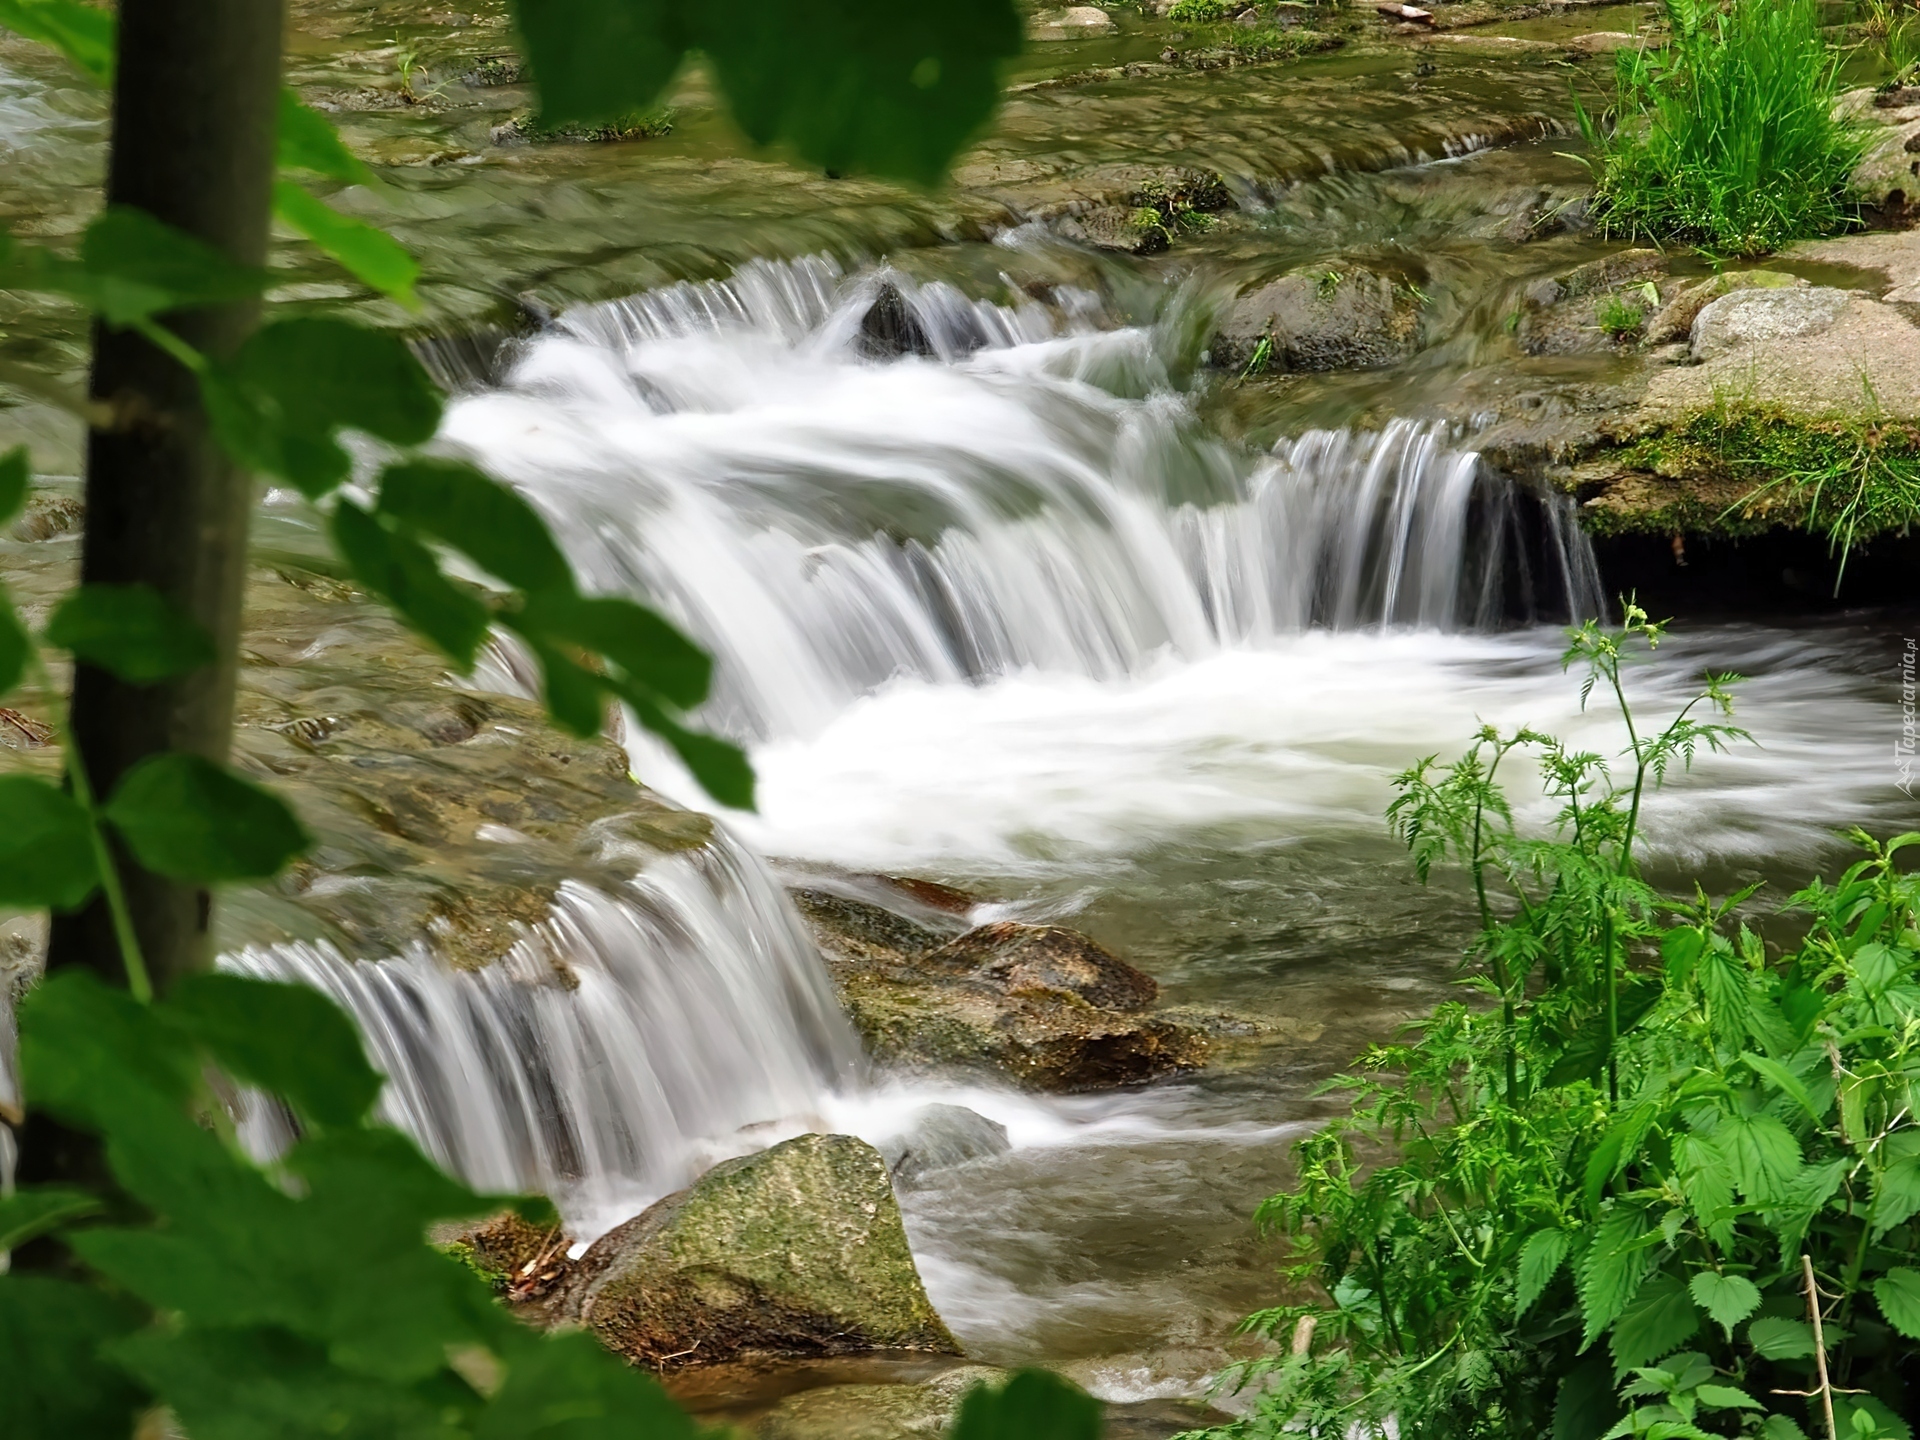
[(1004, 610)]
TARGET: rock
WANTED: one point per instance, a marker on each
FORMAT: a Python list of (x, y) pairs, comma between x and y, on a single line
[(1886, 181), (890, 329), (1895, 256), (875, 1412), (1675, 319), (1329, 320), (521, 1260), (1077, 22), (1604, 42), (798, 1250), (1544, 292), (1750, 315), (1137, 231), (940, 1137), (1614, 272), (1021, 959), (491, 70), (1010, 1002)]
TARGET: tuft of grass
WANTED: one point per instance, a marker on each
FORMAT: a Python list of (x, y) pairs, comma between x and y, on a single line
[(1726, 139), (1619, 317)]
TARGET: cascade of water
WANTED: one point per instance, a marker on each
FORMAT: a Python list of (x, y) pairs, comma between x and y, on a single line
[(1034, 494), (613, 1054)]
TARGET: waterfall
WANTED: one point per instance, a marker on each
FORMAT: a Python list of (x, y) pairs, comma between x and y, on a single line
[(628, 1043), (1025, 492), (835, 482)]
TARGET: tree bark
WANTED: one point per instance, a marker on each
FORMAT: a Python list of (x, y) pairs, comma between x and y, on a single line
[(195, 117)]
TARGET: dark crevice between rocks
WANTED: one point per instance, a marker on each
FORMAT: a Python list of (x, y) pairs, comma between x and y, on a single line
[(1776, 573)]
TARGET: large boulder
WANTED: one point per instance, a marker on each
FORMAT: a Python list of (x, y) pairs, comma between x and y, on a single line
[(1039, 1005), (798, 1250), (1748, 316), (1329, 319)]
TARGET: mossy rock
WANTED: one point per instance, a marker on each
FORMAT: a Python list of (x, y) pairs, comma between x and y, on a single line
[(1328, 318), (798, 1250)]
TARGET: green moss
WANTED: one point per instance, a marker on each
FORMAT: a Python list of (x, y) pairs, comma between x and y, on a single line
[(469, 1257), (1201, 12), (1850, 479)]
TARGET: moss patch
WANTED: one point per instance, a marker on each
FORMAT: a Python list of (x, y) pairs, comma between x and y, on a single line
[(1741, 472)]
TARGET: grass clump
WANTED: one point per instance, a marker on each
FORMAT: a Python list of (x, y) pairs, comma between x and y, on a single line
[(1202, 12), (1726, 139)]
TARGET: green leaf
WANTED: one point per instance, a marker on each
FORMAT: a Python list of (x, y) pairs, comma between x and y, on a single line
[(574, 695), (90, 1052), (1898, 1292), (847, 84), (1540, 1260), (1781, 1427), (46, 847), (1729, 1299), (16, 477), (860, 84), (485, 520), (1612, 1269), (403, 571), (1764, 1155), (1776, 1338), (569, 1387), (1660, 1319), (1726, 1397), (54, 1383), (287, 1039), (1033, 1405), (186, 818), (1618, 1146), (81, 33), (308, 141), (1785, 1081), (248, 1384), (130, 631), (32, 1212), (295, 383), (647, 647), (1585, 1404), (1896, 1195), (133, 267), (721, 768), (16, 646), (367, 252)]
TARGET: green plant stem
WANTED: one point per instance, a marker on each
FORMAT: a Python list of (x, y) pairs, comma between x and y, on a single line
[(139, 984)]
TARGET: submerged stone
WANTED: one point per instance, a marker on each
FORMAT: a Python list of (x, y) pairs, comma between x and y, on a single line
[(798, 1250), (875, 1412), (1330, 319), (941, 1137)]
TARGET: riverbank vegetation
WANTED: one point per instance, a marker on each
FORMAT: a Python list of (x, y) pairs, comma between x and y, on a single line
[(1726, 138), (1659, 1179)]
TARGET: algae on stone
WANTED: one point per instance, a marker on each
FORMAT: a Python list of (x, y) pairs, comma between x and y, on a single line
[(796, 1250)]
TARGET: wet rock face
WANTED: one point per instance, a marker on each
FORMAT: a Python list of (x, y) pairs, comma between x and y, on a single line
[(1021, 959), (1593, 307), (1039, 1005), (1327, 320), (798, 1250), (890, 329)]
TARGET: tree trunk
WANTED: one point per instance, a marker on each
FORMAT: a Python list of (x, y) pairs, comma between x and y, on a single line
[(195, 116)]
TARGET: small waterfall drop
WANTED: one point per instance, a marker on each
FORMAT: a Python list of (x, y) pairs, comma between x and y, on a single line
[(628, 1043), (1030, 493)]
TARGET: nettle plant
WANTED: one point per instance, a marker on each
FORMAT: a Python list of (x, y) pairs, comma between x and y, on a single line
[(1660, 1181), (168, 1280)]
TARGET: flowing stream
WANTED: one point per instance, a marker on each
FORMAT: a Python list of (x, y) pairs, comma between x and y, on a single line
[(1008, 592), (1006, 612)]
